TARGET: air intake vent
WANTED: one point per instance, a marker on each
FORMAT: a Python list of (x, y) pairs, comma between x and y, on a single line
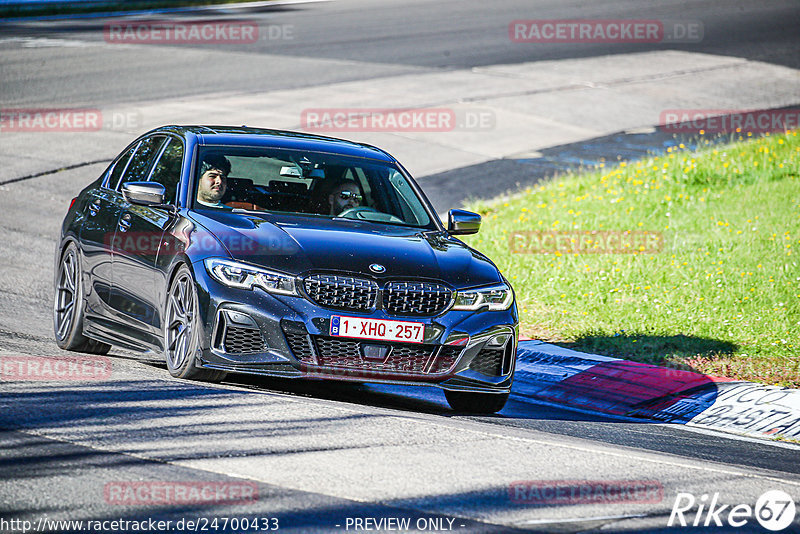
[(237, 333), (488, 362), (242, 340)]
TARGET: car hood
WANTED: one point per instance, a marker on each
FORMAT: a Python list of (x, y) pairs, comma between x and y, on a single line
[(298, 245)]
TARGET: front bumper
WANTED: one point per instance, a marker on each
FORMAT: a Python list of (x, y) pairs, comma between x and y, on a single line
[(255, 332)]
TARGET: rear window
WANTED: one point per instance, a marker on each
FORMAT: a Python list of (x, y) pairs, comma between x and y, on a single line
[(142, 159), (119, 167)]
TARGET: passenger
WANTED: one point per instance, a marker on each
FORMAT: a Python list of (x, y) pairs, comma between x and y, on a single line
[(214, 172)]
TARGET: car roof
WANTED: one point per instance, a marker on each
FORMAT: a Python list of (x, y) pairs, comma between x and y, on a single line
[(249, 136)]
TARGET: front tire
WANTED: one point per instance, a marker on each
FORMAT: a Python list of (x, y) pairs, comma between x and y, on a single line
[(68, 306), (480, 403), (182, 330)]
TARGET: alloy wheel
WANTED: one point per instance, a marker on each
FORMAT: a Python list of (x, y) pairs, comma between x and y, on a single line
[(180, 321), (66, 294)]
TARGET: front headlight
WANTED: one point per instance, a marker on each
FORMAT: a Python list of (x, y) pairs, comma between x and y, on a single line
[(497, 298), (243, 276)]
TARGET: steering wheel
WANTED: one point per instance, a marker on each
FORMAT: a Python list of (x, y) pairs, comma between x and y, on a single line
[(355, 213)]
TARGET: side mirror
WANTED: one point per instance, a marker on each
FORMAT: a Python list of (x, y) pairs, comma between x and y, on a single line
[(144, 193), (461, 222)]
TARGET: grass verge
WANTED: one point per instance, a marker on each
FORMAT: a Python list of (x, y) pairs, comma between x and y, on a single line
[(689, 259)]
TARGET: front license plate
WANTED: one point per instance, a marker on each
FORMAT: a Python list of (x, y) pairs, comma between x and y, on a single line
[(381, 329)]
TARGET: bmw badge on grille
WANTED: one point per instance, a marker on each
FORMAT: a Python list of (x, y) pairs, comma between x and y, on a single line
[(377, 268)]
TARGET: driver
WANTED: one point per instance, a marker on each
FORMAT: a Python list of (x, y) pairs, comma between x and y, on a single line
[(214, 172), (345, 196)]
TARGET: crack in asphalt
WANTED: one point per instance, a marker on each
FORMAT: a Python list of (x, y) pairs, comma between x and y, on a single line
[(55, 171), (21, 335)]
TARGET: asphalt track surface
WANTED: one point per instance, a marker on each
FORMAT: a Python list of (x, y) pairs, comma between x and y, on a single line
[(371, 39), (322, 452)]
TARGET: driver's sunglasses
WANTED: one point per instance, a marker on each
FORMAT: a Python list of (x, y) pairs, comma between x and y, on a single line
[(344, 195)]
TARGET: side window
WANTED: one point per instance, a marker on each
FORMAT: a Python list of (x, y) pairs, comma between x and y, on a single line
[(119, 167), (142, 160), (167, 170)]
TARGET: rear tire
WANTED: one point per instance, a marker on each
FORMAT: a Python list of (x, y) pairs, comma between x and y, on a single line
[(68, 306), (482, 403), (182, 330)]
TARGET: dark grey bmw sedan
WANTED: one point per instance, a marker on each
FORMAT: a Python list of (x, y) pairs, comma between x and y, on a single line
[(283, 254)]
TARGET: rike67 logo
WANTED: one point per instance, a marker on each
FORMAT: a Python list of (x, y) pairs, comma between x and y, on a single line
[(774, 510)]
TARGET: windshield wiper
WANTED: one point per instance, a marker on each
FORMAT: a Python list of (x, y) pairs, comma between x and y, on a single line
[(248, 212)]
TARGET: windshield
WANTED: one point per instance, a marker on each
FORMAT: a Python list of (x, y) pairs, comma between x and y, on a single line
[(307, 183)]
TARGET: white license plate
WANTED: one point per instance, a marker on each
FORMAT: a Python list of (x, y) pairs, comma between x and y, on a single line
[(381, 329)]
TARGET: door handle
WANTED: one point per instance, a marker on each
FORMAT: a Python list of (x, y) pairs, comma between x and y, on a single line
[(94, 207), (124, 222)]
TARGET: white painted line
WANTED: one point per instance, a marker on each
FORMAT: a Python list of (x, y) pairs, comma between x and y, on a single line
[(730, 434), (580, 519)]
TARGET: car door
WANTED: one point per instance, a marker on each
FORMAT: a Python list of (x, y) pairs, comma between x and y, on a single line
[(127, 243), (137, 283), (97, 231), (168, 171)]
